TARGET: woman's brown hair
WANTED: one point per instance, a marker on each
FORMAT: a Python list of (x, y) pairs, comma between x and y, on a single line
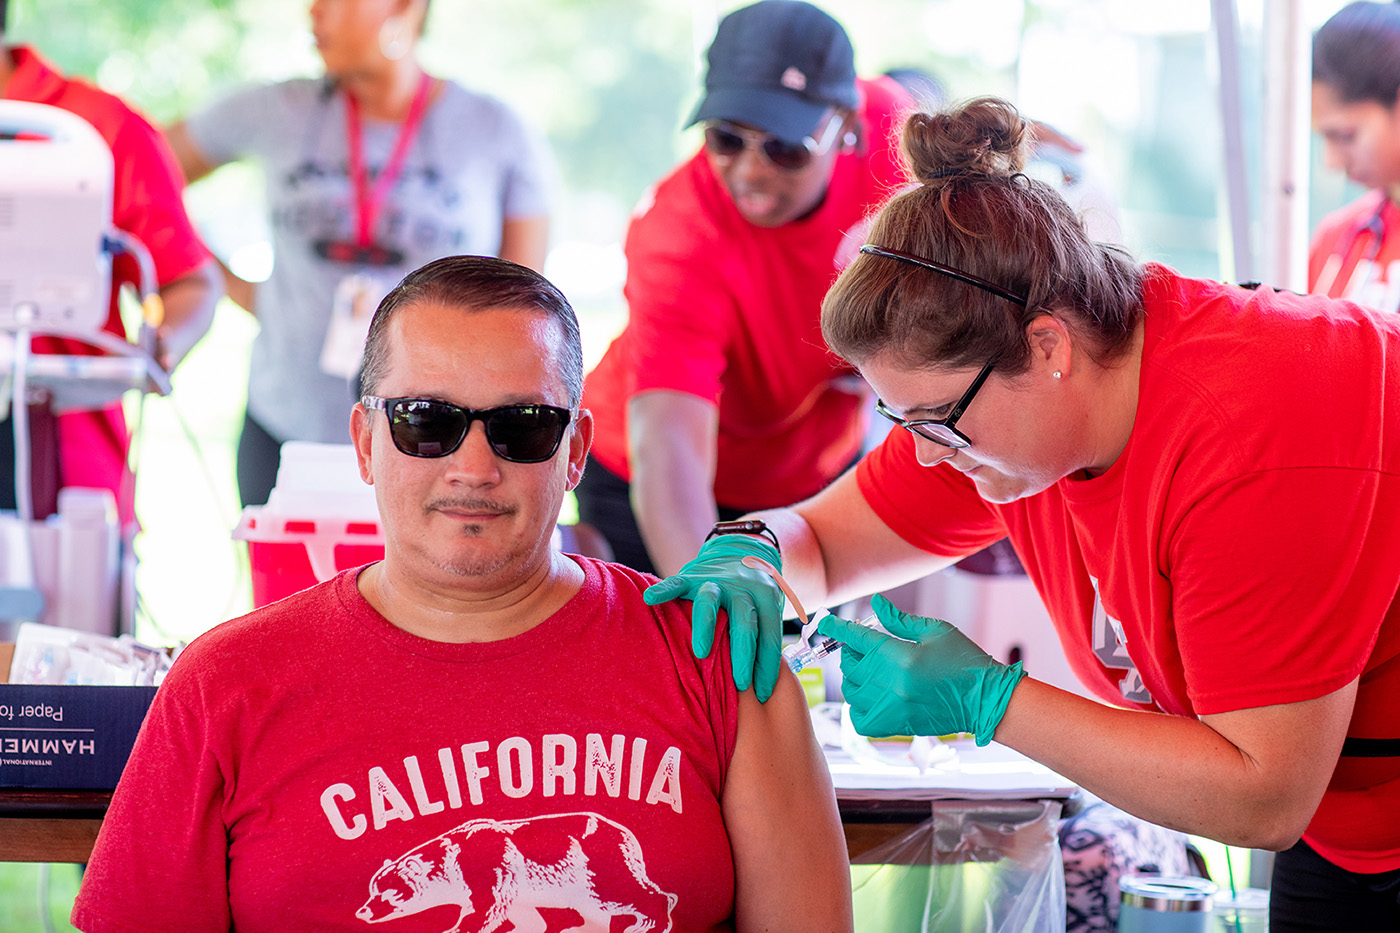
[(971, 208)]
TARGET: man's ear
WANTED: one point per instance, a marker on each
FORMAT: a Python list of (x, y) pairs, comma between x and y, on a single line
[(580, 442), (361, 436)]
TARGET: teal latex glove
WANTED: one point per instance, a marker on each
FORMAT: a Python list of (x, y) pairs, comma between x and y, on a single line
[(715, 580), (929, 679)]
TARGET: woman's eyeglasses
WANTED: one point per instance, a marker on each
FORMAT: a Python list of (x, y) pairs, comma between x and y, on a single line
[(941, 430), (428, 427), (726, 140)]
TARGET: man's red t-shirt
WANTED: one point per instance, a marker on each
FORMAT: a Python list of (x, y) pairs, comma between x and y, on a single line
[(1243, 550), (730, 312), (311, 766)]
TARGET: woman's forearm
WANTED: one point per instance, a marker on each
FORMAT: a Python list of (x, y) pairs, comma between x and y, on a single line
[(803, 568), (1258, 787)]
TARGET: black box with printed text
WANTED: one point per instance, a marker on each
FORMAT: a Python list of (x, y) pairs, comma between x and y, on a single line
[(74, 738), (68, 737)]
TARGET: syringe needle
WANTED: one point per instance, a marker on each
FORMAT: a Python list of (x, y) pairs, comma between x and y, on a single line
[(807, 655), (800, 656)]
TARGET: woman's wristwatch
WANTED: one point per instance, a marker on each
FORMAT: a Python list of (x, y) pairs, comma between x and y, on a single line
[(747, 526)]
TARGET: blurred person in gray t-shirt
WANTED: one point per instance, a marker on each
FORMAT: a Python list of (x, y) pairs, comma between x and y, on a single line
[(371, 171)]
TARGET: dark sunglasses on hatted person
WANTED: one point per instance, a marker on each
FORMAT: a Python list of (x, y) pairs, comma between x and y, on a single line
[(429, 427), (941, 430), (726, 140)]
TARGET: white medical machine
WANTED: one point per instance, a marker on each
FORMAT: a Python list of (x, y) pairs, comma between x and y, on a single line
[(56, 246)]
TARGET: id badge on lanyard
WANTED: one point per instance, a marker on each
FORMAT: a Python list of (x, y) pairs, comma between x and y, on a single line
[(359, 292)]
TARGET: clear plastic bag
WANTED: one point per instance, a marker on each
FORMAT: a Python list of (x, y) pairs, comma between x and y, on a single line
[(48, 654), (973, 867)]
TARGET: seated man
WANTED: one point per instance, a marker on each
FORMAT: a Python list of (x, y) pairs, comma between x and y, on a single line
[(477, 728)]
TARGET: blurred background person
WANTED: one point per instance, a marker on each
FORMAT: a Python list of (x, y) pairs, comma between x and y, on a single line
[(1356, 110), (719, 396), (371, 170), (89, 448)]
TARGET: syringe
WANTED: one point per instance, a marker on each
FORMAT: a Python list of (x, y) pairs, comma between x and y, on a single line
[(800, 656)]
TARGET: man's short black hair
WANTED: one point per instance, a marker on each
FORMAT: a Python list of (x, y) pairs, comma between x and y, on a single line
[(4, 12), (476, 283)]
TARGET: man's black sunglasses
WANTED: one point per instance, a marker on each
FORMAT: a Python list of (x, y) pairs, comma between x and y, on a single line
[(727, 140), (429, 427)]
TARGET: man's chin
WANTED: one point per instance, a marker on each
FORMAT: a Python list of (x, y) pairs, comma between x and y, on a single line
[(764, 220), (474, 566), (488, 558), (469, 554)]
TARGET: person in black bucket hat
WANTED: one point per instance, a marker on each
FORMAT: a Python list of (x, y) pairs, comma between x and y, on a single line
[(719, 396)]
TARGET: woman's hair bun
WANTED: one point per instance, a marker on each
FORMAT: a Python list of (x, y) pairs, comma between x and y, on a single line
[(984, 136)]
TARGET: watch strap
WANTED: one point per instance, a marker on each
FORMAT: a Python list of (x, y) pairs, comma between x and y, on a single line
[(745, 526)]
